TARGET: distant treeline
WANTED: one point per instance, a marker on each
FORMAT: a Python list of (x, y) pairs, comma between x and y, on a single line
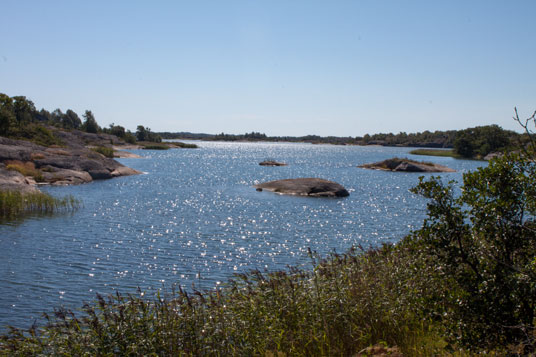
[(20, 119), (471, 142)]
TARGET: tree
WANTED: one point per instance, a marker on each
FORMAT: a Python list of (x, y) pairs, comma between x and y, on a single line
[(7, 116), (141, 133), (145, 134), (117, 130), (23, 109), (484, 242), (71, 120), (481, 140), (90, 124)]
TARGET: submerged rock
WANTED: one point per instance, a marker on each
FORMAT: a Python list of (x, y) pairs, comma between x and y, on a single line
[(406, 165), (313, 187)]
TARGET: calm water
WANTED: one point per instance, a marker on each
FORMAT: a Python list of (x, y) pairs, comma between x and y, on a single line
[(194, 218)]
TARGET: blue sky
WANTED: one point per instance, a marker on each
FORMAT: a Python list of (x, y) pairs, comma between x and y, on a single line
[(279, 67)]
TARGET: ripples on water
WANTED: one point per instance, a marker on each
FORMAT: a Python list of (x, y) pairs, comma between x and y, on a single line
[(195, 218)]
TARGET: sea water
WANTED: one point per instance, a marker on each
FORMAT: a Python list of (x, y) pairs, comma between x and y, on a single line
[(193, 218)]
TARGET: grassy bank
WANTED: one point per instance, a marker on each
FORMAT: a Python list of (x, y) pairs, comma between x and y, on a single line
[(435, 152), (166, 145), (14, 204), (345, 304)]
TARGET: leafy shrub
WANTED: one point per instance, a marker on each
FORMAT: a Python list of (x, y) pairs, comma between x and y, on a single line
[(37, 134), (484, 241)]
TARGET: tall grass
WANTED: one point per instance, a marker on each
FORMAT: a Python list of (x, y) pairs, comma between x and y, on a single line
[(340, 307), (14, 204), (155, 147), (435, 152), (107, 152)]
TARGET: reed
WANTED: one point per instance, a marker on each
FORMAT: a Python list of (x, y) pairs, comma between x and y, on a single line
[(14, 204), (155, 147), (435, 152), (341, 306)]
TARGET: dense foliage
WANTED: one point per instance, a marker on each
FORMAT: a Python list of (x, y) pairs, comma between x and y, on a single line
[(145, 134), (17, 112), (482, 140), (483, 242), (19, 119)]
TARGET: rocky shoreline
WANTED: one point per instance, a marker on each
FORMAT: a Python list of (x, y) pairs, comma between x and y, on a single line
[(25, 165)]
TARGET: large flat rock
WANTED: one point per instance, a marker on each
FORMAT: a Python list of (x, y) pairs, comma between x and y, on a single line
[(313, 187)]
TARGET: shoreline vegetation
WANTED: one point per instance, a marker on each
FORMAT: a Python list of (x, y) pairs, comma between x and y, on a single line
[(436, 152), (463, 284), (16, 204)]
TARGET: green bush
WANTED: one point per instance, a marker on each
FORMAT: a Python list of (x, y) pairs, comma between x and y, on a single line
[(37, 134), (484, 242)]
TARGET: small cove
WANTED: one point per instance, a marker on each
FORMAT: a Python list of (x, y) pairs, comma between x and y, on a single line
[(194, 218)]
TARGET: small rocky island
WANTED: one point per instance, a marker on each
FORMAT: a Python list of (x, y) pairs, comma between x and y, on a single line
[(272, 163), (313, 187), (406, 165)]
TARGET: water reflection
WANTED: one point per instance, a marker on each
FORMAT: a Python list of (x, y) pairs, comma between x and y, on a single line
[(195, 218)]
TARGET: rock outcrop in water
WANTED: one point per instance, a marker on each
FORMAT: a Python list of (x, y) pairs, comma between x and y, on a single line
[(406, 165), (313, 187), (272, 163)]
